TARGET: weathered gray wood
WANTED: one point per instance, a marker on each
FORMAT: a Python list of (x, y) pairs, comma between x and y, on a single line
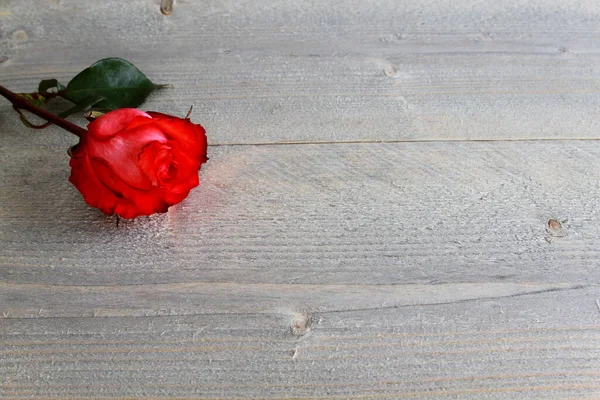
[(332, 70), (525, 347), (306, 271), (419, 269), (321, 214), (48, 301)]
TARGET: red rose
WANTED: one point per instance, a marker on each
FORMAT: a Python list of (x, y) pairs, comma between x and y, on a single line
[(134, 163)]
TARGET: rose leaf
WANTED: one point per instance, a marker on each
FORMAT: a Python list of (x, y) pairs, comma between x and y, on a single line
[(118, 82)]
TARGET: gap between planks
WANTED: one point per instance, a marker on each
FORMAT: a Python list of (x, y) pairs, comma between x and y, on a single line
[(371, 141)]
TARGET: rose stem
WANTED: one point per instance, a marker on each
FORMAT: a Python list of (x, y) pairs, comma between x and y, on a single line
[(20, 103)]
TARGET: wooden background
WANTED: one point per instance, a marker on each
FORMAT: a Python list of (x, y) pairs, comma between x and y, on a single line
[(372, 223)]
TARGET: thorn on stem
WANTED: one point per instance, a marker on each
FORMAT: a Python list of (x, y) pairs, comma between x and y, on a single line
[(187, 116)]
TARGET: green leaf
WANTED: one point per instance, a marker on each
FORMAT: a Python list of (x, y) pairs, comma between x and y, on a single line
[(117, 81), (47, 84)]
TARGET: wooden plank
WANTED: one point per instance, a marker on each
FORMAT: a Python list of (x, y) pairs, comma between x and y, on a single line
[(542, 345), (320, 214), (424, 268), (70, 301), (261, 72)]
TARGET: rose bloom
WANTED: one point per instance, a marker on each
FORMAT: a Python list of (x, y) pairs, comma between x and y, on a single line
[(135, 163)]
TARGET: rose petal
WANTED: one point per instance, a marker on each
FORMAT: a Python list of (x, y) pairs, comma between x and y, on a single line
[(153, 156), (131, 202), (189, 135), (108, 125), (122, 151), (84, 178)]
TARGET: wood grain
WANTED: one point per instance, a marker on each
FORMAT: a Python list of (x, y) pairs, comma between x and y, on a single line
[(401, 201), (311, 271), (542, 345), (321, 214), (261, 72)]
